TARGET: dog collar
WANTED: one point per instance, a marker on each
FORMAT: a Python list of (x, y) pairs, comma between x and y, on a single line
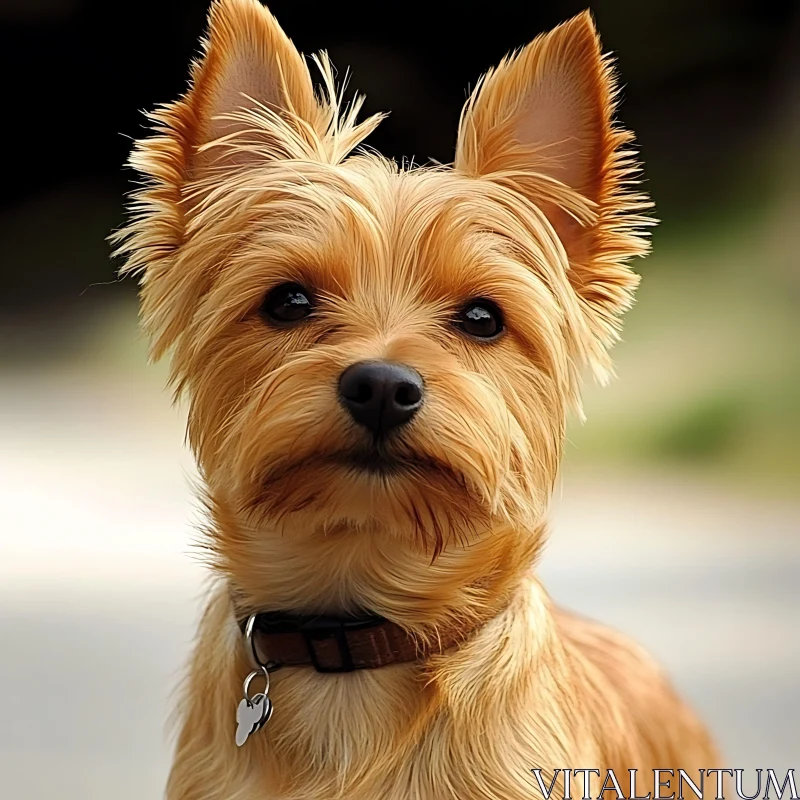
[(331, 643), (328, 643)]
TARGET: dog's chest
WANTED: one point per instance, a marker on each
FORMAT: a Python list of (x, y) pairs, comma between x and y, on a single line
[(387, 737)]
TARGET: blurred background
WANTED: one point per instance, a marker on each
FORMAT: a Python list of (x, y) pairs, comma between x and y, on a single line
[(678, 513)]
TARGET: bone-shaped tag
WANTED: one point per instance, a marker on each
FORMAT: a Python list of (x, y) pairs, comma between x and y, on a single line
[(251, 715)]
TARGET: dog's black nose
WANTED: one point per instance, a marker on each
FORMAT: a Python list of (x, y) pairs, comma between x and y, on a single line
[(381, 395)]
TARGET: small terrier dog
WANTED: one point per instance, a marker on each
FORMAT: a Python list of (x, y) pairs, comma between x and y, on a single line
[(379, 361)]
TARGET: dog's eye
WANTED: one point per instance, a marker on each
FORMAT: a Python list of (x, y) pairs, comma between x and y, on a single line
[(480, 318), (287, 303)]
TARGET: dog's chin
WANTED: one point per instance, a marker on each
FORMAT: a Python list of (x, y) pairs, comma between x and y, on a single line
[(369, 486)]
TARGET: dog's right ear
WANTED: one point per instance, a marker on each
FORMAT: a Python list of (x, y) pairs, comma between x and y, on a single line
[(251, 104), (251, 100), (248, 66)]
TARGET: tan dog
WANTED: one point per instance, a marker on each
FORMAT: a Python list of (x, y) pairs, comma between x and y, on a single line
[(380, 362)]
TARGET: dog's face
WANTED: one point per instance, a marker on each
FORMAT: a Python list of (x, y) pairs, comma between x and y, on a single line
[(376, 350), (369, 347)]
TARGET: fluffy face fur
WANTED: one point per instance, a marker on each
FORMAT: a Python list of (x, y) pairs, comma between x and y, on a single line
[(252, 183)]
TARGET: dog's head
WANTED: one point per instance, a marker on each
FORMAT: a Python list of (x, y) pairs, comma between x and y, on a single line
[(368, 346)]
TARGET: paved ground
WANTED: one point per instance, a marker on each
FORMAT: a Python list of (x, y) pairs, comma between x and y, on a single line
[(98, 591)]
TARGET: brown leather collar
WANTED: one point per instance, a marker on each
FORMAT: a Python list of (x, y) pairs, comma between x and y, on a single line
[(339, 644)]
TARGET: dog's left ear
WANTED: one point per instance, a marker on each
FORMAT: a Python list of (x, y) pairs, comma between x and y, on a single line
[(542, 122)]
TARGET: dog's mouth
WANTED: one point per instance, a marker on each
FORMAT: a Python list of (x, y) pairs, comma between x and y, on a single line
[(375, 481), (376, 460), (379, 461)]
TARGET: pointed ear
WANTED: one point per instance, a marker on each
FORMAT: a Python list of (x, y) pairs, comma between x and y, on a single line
[(542, 121), (247, 65), (251, 100)]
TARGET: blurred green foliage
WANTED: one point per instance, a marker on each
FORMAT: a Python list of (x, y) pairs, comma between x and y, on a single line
[(706, 430)]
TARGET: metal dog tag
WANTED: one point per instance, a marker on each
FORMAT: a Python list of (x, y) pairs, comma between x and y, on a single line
[(253, 713), (251, 716)]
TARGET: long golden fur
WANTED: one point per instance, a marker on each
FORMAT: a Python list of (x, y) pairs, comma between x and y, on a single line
[(251, 181)]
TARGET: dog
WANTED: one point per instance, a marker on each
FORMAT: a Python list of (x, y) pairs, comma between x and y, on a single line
[(379, 362)]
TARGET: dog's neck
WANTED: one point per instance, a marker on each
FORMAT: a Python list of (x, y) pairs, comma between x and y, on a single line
[(359, 728), (354, 572), (343, 643)]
